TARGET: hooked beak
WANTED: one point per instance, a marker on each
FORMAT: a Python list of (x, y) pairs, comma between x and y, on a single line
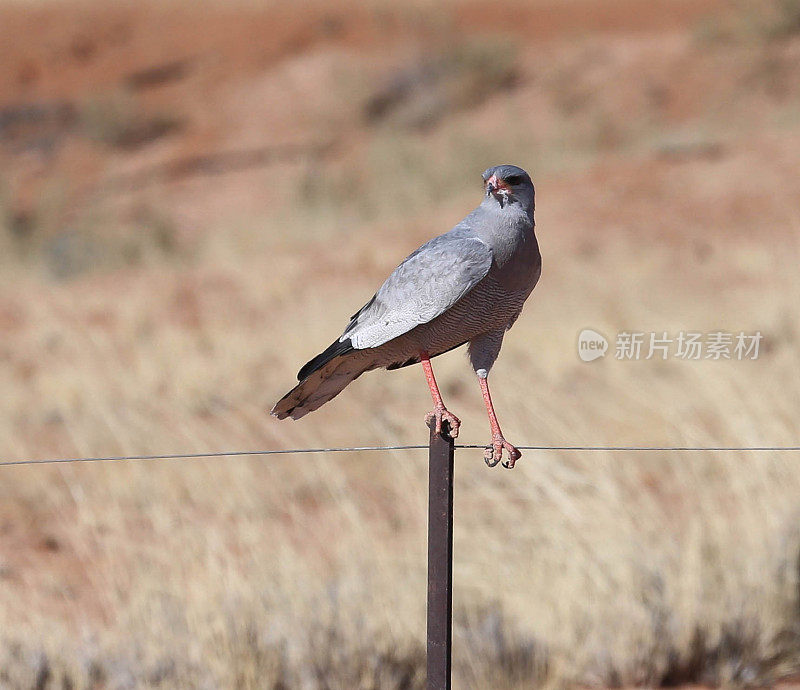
[(498, 189)]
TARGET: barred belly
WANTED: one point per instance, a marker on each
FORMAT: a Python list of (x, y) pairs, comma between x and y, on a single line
[(487, 307)]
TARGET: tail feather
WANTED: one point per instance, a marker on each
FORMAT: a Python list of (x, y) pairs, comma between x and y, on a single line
[(338, 347), (321, 385)]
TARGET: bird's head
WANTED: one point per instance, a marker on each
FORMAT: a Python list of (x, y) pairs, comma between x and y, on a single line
[(508, 184)]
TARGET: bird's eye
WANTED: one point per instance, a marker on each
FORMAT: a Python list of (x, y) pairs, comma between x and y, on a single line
[(514, 179)]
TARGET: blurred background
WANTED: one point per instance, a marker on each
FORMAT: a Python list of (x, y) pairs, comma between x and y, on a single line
[(194, 197)]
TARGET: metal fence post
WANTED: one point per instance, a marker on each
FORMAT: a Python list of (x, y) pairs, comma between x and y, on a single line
[(440, 559)]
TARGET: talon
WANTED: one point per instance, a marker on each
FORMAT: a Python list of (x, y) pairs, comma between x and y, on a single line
[(440, 414), (494, 453)]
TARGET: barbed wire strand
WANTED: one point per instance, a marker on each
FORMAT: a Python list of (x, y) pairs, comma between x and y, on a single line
[(358, 449)]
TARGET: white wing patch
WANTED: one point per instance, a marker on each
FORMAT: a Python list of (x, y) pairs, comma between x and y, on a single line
[(424, 286)]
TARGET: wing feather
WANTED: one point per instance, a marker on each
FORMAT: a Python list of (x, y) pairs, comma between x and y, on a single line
[(424, 286)]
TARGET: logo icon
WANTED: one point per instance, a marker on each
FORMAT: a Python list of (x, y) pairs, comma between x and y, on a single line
[(591, 345)]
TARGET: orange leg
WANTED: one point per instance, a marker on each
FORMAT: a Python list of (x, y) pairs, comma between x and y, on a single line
[(439, 411), (494, 451)]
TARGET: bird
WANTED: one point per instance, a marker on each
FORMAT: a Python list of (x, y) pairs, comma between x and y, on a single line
[(466, 286)]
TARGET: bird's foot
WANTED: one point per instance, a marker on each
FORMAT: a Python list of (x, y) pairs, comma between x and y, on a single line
[(435, 417), (494, 453)]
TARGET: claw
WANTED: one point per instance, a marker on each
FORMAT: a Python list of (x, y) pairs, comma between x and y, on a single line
[(494, 453), (440, 414), (489, 456)]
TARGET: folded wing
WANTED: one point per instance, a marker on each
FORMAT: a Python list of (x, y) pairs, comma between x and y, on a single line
[(424, 286)]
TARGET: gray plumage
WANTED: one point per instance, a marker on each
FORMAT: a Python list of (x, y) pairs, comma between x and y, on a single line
[(466, 286)]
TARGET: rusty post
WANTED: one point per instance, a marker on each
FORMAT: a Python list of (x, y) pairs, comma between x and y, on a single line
[(440, 559)]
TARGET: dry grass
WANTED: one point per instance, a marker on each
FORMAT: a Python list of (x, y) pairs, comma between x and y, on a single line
[(309, 572)]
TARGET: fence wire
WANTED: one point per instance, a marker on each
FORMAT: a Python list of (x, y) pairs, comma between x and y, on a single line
[(358, 449)]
